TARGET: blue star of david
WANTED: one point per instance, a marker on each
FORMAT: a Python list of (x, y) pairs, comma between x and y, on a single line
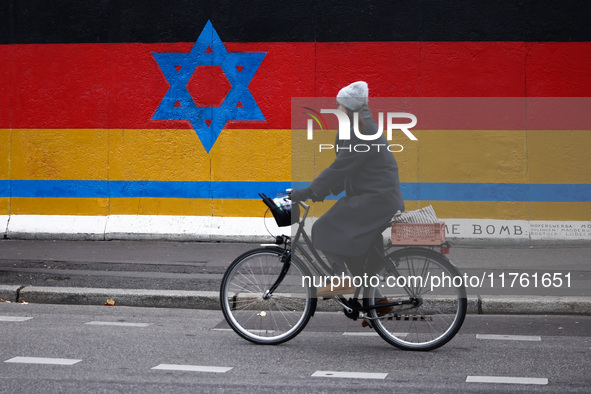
[(239, 68)]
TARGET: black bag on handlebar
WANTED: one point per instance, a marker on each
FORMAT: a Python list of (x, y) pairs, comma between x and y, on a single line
[(284, 212)]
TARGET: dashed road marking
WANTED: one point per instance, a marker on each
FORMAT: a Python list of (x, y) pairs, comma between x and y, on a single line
[(510, 337), (506, 379), (350, 375), (372, 334), (192, 368), (120, 324), (14, 318), (251, 331), (43, 360), (361, 334)]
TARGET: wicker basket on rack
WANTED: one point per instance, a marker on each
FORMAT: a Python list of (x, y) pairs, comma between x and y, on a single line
[(418, 233)]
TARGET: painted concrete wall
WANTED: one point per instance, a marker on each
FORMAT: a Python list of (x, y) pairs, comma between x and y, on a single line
[(183, 110)]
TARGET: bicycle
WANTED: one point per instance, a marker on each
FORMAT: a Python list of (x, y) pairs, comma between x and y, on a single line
[(266, 299)]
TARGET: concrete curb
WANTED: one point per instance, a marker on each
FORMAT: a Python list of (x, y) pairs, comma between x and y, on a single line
[(532, 305), (9, 293), (487, 305), (142, 298)]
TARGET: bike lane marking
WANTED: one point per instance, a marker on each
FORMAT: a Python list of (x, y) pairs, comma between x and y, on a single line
[(534, 338), (372, 334), (192, 368), (42, 360), (350, 375), (361, 334), (119, 324), (506, 380), (14, 318)]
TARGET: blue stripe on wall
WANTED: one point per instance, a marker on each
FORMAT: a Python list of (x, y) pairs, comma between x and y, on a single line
[(249, 190), (155, 189), (4, 188)]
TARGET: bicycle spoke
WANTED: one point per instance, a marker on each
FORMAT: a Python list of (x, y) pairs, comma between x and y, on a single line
[(272, 320), (440, 311)]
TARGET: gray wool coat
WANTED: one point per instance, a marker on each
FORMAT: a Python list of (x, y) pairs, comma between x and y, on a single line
[(372, 194)]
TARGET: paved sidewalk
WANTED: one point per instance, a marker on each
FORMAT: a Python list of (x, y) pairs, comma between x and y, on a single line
[(188, 275)]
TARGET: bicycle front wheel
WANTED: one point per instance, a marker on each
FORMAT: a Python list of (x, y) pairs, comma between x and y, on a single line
[(250, 311), (434, 296)]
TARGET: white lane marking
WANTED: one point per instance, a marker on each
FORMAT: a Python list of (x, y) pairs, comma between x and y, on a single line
[(192, 368), (262, 331), (351, 375), (510, 337), (506, 379), (120, 324), (251, 331), (43, 360), (361, 334), (14, 318), (373, 334)]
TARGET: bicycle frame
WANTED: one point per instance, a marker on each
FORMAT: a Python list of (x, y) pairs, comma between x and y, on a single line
[(318, 266)]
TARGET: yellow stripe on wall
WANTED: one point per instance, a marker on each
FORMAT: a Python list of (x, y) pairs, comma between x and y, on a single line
[(161, 155), (474, 156), (4, 154), (60, 154), (577, 211), (4, 206), (187, 207), (59, 206), (559, 156), (137, 206), (481, 156), (252, 155)]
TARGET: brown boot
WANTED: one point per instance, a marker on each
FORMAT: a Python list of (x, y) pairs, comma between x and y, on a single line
[(381, 311)]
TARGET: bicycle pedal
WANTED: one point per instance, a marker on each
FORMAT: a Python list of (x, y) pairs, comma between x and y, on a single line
[(366, 323)]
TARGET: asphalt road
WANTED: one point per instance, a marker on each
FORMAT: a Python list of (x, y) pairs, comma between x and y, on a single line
[(84, 349)]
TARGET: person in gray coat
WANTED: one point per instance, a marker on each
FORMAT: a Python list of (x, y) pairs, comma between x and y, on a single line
[(369, 178)]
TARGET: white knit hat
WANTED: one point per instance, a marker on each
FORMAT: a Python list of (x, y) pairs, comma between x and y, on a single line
[(354, 96)]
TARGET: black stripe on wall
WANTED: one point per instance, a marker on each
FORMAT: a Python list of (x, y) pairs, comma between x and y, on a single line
[(118, 21), (5, 12)]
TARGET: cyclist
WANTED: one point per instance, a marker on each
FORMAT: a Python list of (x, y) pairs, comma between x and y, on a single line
[(347, 232)]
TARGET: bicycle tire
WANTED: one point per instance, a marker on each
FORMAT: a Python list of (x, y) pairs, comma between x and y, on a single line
[(266, 321), (440, 312)]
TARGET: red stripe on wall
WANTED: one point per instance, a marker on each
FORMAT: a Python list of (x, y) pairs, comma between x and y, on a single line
[(5, 86), (121, 85), (558, 69)]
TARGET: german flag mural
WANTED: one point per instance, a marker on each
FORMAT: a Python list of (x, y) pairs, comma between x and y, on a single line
[(167, 118)]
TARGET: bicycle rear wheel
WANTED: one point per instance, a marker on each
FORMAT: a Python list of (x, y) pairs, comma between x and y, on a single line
[(438, 308), (260, 319)]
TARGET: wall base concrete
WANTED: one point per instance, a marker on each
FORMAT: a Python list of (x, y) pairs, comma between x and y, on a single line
[(460, 232)]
